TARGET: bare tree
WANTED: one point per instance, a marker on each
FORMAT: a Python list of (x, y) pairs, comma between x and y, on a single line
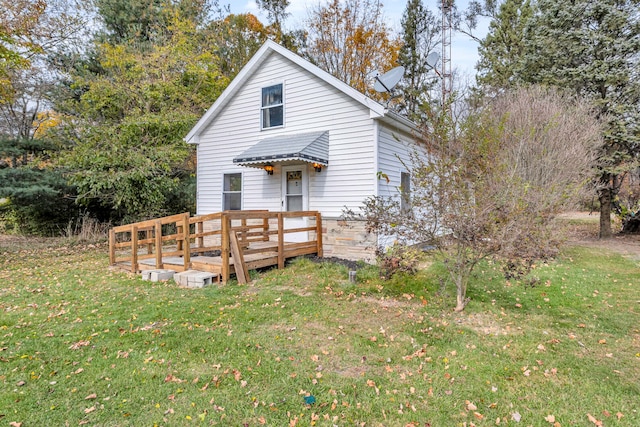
[(349, 39), (495, 188)]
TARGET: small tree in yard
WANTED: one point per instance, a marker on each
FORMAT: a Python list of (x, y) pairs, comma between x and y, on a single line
[(495, 187)]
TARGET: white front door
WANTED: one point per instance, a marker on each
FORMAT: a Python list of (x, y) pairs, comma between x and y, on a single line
[(295, 189)]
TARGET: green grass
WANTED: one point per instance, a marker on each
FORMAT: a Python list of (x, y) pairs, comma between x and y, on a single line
[(80, 344)]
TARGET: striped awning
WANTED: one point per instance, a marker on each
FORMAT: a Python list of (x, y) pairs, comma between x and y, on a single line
[(307, 147)]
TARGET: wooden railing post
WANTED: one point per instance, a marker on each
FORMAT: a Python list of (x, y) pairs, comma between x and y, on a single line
[(134, 249), (280, 240), (265, 229), (187, 241), (158, 230), (224, 240), (112, 247), (200, 230), (319, 234)]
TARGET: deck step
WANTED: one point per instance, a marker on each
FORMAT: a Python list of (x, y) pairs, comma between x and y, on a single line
[(194, 278)]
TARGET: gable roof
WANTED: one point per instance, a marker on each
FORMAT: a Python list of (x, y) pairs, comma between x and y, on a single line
[(376, 110)]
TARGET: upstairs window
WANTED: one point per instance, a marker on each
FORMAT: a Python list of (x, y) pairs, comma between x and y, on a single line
[(272, 107), (232, 192)]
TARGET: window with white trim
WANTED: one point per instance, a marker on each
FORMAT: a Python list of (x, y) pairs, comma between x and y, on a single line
[(405, 192), (232, 192), (272, 107)]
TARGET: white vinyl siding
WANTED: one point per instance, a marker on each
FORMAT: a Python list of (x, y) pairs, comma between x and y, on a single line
[(311, 105), (393, 154)]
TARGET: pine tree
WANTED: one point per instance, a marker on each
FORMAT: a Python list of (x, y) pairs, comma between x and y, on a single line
[(503, 47), (420, 36), (591, 47)]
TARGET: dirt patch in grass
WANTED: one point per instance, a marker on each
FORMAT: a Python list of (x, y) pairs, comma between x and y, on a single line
[(583, 230), (484, 324)]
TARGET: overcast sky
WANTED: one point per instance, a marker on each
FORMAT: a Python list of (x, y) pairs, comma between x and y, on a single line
[(464, 51)]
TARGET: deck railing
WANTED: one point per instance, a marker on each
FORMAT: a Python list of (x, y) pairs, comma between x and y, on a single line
[(181, 236)]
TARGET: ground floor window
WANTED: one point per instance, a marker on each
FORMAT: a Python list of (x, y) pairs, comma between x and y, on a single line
[(405, 192), (232, 192)]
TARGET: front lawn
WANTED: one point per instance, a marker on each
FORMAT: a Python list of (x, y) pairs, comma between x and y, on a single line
[(80, 344)]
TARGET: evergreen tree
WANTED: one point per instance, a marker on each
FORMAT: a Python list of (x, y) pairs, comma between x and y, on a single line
[(503, 47), (420, 36), (146, 22), (591, 47)]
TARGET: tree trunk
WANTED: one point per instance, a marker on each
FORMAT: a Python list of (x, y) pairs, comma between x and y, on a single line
[(604, 196), (461, 293)]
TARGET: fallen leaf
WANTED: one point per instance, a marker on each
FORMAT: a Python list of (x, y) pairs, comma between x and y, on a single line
[(91, 396), (77, 345), (594, 420), (619, 415), (516, 417), (15, 424), (89, 410), (550, 418), (470, 406), (478, 415)]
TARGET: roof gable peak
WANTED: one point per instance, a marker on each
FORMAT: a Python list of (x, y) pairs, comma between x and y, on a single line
[(376, 109)]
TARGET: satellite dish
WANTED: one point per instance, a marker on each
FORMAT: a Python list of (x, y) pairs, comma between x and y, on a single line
[(387, 81), (432, 59)]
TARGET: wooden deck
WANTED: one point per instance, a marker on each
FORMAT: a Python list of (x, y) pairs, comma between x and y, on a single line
[(223, 243)]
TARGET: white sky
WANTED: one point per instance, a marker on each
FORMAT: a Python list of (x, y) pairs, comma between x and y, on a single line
[(464, 51)]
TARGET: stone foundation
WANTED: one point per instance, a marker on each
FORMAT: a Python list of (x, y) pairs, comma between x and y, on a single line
[(348, 240)]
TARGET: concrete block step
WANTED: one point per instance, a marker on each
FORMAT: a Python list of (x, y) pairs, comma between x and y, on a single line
[(194, 278), (158, 275)]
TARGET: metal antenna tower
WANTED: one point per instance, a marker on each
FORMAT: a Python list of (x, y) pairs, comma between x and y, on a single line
[(447, 11)]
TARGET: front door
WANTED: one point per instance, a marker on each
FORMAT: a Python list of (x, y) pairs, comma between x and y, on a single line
[(294, 198)]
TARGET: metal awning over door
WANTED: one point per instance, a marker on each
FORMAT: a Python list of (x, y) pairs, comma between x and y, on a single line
[(308, 147)]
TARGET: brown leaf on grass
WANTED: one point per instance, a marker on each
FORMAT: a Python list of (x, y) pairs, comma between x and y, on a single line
[(594, 420), (78, 371), (470, 406), (172, 379), (478, 415), (78, 345), (237, 375), (550, 419), (91, 396), (619, 415), (15, 424), (89, 410)]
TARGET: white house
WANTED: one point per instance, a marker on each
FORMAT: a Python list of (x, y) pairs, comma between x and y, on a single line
[(286, 135)]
